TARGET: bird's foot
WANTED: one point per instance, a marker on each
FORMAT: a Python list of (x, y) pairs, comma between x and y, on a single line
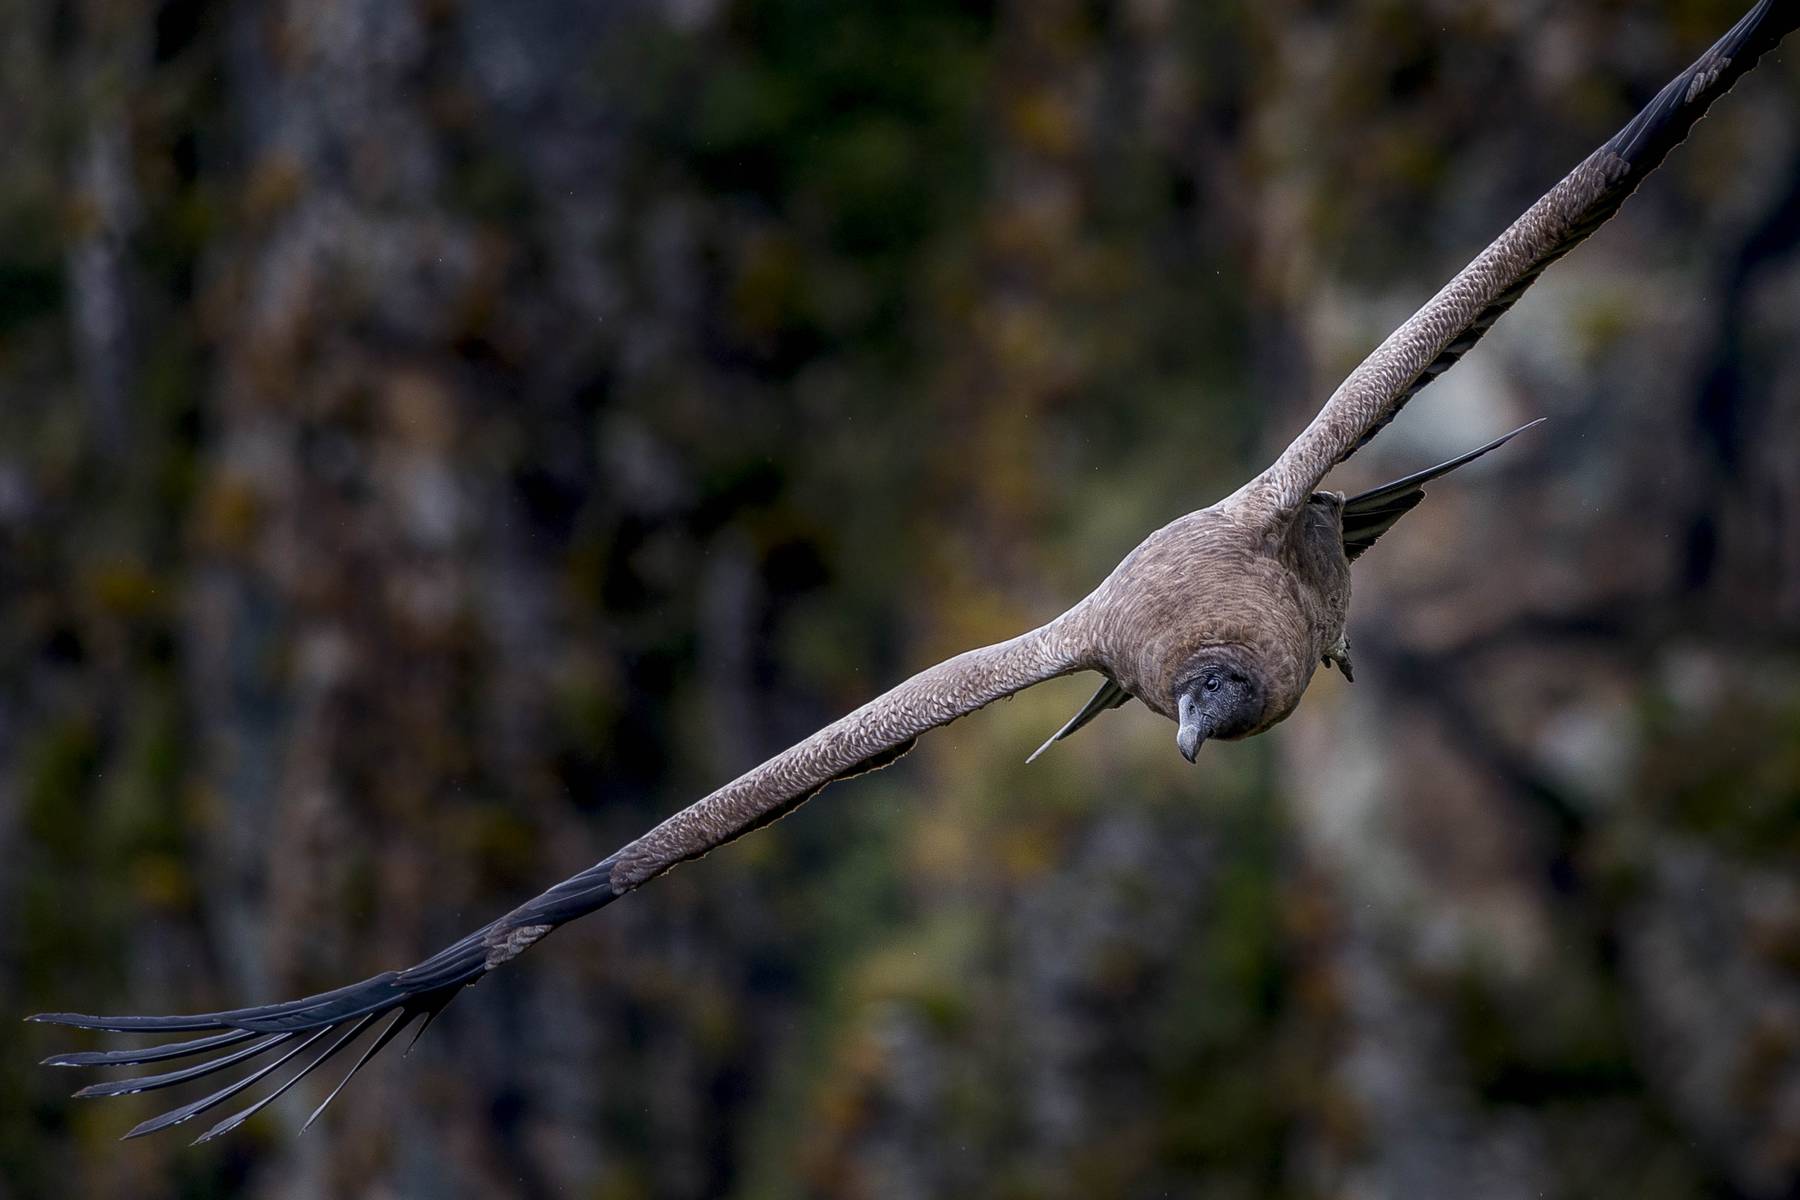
[(1339, 656)]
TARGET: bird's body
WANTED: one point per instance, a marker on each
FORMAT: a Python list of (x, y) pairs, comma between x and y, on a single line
[(1276, 595), (1217, 621)]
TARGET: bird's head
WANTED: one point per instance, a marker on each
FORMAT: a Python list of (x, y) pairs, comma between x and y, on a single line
[(1220, 696)]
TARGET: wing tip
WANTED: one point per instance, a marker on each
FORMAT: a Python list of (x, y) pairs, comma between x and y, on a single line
[(1506, 437), (76, 1020), (110, 1088), (133, 1024), (1500, 441), (348, 1029), (1664, 121), (296, 1025)]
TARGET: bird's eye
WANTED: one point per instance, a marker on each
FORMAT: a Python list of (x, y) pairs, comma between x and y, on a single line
[(1211, 683)]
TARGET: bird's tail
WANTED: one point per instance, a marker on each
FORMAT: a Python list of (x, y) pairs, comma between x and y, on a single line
[(1373, 513), (298, 1026)]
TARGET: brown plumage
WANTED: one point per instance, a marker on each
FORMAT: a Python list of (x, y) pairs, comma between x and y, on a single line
[(1217, 621)]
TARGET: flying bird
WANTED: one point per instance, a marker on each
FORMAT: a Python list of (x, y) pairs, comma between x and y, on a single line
[(1217, 621)]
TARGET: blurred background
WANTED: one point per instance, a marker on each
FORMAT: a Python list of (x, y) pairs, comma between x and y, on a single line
[(438, 438)]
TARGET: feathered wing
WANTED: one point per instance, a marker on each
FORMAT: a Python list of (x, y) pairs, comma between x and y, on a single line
[(869, 738), (1452, 321)]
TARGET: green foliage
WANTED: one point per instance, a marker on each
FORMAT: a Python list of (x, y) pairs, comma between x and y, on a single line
[(1733, 779), (525, 416)]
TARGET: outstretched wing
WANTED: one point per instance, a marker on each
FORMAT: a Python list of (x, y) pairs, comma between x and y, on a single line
[(1452, 321), (869, 738)]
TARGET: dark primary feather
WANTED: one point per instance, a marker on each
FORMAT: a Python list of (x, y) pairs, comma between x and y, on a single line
[(147, 1083), (168, 1050), (176, 1116), (1374, 512), (1451, 322), (244, 1114)]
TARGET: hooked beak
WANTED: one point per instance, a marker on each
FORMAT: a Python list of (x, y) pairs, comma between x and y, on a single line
[(1193, 727)]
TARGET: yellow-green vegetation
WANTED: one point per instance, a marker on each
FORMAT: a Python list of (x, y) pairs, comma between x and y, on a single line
[(437, 440)]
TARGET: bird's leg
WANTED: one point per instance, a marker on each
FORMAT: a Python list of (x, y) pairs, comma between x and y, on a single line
[(1339, 655)]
